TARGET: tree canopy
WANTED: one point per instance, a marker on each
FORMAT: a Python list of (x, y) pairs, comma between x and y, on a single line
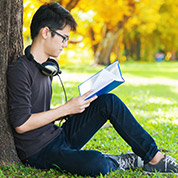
[(117, 29)]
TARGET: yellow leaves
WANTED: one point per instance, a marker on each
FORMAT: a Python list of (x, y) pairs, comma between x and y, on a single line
[(147, 28), (30, 7), (108, 11), (168, 56), (147, 16), (151, 19)]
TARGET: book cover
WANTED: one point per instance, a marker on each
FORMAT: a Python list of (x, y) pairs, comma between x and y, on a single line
[(103, 81)]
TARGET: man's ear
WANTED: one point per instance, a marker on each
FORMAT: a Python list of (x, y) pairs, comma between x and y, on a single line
[(45, 32)]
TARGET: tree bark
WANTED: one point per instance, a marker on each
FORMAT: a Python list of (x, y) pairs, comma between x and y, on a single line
[(102, 55), (174, 55), (11, 46), (70, 5)]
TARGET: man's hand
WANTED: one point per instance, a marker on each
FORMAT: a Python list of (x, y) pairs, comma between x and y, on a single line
[(73, 106), (78, 104)]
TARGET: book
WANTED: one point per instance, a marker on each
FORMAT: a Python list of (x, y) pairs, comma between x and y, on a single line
[(103, 81)]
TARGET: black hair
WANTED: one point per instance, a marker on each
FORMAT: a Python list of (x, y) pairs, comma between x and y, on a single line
[(52, 15)]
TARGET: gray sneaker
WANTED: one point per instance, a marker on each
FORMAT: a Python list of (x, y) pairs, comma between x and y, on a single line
[(127, 160), (166, 165)]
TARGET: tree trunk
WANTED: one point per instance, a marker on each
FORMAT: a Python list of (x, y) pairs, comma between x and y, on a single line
[(70, 5), (138, 47), (105, 47), (102, 55), (11, 46), (173, 57)]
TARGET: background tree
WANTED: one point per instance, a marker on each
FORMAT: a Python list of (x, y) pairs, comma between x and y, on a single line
[(167, 28), (108, 21), (11, 45), (123, 28), (117, 29)]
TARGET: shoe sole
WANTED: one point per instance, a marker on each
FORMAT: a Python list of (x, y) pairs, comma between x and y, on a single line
[(163, 173)]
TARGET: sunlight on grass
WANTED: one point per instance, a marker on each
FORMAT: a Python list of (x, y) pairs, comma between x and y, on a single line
[(150, 92), (168, 120), (158, 100), (175, 89), (133, 80)]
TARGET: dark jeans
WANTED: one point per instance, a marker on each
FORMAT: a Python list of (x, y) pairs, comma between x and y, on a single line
[(65, 150)]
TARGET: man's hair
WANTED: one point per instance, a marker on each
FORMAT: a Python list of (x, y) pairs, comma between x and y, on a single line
[(52, 15)]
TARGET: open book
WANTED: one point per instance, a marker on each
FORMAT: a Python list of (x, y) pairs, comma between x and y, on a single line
[(103, 82)]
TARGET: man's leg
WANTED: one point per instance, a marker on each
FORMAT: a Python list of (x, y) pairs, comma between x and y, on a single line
[(77, 131), (81, 127), (58, 154), (66, 153)]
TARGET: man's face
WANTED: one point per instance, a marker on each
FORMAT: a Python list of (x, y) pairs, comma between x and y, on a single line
[(54, 45)]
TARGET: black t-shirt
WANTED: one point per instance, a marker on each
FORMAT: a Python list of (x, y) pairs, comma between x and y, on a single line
[(29, 91)]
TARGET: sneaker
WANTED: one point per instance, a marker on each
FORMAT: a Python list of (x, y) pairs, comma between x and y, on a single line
[(127, 160), (166, 165)]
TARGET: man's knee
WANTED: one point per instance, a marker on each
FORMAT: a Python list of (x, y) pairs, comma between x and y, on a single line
[(99, 164), (109, 99)]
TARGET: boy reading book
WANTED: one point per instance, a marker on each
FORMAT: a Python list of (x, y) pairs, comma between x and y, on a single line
[(42, 144)]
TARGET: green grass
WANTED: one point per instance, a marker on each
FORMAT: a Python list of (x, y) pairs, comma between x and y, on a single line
[(151, 93)]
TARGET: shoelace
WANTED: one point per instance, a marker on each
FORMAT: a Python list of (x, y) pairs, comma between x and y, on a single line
[(125, 163), (170, 160)]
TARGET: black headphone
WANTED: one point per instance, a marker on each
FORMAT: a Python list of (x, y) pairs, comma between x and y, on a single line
[(49, 68)]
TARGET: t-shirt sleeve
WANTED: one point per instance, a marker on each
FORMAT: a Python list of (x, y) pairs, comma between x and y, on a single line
[(19, 94)]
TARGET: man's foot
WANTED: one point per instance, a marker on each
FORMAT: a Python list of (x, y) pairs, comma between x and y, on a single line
[(127, 160), (166, 165)]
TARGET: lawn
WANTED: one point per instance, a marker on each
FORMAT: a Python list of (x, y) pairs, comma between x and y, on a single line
[(151, 93)]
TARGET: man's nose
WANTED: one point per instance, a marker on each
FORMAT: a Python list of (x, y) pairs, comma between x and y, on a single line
[(64, 44)]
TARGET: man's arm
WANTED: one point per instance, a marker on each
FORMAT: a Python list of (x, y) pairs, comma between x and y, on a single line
[(73, 106)]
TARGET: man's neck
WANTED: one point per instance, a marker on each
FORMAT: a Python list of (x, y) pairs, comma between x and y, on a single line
[(38, 53)]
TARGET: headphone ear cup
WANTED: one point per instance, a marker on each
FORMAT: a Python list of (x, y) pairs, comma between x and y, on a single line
[(51, 68)]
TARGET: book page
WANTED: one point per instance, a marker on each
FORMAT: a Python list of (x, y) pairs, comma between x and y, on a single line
[(114, 69), (104, 79), (101, 79), (88, 84)]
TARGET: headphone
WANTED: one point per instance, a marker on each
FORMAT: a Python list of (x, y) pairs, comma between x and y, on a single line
[(49, 68)]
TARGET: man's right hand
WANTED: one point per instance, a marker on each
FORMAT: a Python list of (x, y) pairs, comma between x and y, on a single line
[(79, 104), (73, 106)]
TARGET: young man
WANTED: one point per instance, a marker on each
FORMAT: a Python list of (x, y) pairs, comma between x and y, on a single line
[(42, 144)]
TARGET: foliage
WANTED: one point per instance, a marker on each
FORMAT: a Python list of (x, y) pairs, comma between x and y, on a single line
[(115, 29)]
